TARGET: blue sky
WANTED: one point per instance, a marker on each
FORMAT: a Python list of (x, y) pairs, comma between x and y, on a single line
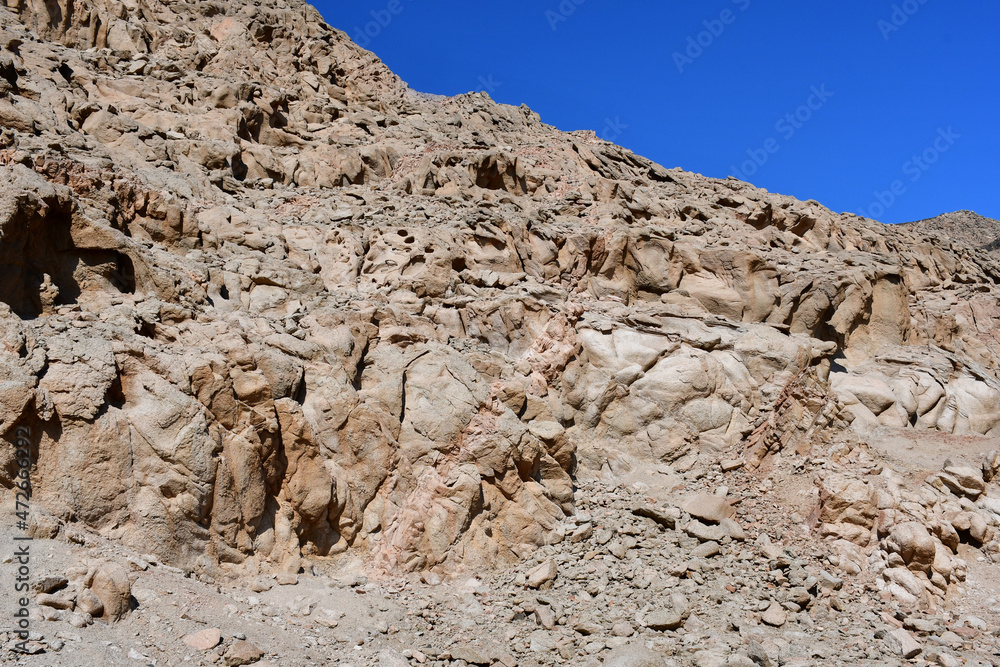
[(875, 106)]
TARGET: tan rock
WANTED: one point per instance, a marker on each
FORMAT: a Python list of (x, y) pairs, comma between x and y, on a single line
[(112, 587), (242, 652), (322, 314), (775, 615), (54, 601), (542, 574), (913, 544), (708, 508), (903, 644), (88, 602), (203, 640), (634, 654)]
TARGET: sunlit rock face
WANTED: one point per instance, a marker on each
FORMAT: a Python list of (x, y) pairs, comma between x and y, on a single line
[(261, 301)]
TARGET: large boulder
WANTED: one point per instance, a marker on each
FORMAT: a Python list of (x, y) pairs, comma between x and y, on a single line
[(914, 544), (110, 583)]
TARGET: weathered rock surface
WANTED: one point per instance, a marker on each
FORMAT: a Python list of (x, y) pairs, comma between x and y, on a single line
[(264, 310), (282, 306)]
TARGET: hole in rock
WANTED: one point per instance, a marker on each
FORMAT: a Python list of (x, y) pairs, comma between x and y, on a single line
[(41, 268)]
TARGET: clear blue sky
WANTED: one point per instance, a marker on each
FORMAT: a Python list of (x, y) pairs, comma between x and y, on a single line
[(888, 82)]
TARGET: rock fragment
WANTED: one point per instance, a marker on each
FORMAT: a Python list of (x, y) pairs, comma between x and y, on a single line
[(901, 643), (710, 508), (543, 574), (204, 640)]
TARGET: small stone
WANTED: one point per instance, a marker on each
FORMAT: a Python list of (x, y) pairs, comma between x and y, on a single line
[(703, 533), (829, 582), (714, 659), (622, 629), (947, 660), (664, 620), (29, 647), (286, 579), (734, 529), (469, 655), (204, 640), (902, 643), (634, 655), (582, 533), (261, 584), (54, 601), (546, 617), (114, 589), (431, 578), (728, 465), (706, 550), (542, 574), (587, 627), (242, 652), (50, 584), (708, 508), (137, 564), (618, 550), (757, 653), (774, 616), (79, 620), (603, 536), (665, 517)]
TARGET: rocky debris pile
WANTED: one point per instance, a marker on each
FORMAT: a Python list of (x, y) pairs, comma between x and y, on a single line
[(101, 591), (918, 532), (710, 573)]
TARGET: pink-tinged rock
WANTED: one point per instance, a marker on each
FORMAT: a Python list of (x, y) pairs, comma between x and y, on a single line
[(204, 640), (774, 616)]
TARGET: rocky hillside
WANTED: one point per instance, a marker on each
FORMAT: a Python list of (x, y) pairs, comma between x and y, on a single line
[(266, 310), (965, 227)]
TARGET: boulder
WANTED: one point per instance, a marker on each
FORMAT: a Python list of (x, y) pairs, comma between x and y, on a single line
[(111, 585), (913, 544)]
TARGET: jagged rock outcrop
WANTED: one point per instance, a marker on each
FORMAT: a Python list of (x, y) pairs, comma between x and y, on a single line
[(262, 301)]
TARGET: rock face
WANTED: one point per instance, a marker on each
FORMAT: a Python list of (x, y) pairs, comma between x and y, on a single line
[(261, 302)]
